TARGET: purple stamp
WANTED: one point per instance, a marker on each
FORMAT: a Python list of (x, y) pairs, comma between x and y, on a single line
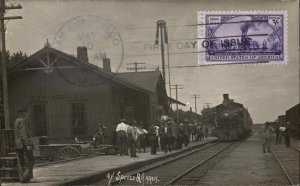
[(230, 37)]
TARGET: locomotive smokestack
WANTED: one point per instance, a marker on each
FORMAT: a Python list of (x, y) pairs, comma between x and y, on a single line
[(226, 97)]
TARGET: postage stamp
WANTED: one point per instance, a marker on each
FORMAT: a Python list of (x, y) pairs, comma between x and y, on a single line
[(229, 37)]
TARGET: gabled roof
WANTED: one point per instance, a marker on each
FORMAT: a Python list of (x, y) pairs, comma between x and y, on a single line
[(109, 75), (146, 79)]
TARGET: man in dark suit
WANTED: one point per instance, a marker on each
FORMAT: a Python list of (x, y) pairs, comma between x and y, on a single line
[(24, 146)]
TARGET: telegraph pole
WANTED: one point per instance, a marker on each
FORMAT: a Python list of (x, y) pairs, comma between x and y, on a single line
[(135, 68), (3, 9), (207, 105), (195, 96), (176, 87)]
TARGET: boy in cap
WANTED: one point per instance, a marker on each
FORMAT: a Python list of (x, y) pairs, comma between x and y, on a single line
[(24, 146)]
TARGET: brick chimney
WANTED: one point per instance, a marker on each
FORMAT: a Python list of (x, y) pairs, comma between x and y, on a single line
[(106, 64), (82, 54)]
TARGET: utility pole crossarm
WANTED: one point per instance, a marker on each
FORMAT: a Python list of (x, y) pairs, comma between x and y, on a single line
[(11, 17), (135, 68), (11, 7), (207, 105)]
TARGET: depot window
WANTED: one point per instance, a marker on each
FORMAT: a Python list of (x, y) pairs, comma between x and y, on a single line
[(78, 118)]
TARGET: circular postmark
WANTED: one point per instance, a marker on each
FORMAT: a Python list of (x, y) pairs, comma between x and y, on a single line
[(101, 39)]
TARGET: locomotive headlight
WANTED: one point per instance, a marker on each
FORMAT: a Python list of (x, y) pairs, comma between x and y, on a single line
[(226, 114)]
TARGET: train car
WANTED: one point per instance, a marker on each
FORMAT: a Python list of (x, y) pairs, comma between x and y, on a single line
[(233, 120)]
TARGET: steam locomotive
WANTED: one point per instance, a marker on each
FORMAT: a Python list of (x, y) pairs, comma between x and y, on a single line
[(233, 121)]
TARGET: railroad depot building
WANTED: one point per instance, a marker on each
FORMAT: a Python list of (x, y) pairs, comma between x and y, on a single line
[(67, 96), (293, 118)]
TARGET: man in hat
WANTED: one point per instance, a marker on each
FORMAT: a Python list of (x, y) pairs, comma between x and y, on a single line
[(24, 146), (267, 137), (122, 137)]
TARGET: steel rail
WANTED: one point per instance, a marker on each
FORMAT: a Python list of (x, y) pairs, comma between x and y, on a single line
[(295, 148), (198, 165), (283, 169), (115, 182)]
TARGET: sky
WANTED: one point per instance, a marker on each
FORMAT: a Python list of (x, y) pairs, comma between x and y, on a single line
[(124, 31)]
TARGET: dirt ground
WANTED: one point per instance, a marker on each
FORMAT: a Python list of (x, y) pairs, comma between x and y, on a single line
[(246, 165)]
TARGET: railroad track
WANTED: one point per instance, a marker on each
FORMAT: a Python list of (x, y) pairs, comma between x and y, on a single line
[(283, 169), (296, 149), (285, 172), (178, 170)]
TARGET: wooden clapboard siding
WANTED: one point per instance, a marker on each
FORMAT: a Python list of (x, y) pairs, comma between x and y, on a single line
[(52, 89)]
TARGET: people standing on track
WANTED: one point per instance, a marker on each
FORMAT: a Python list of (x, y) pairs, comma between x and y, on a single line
[(281, 133), (122, 137), (287, 134), (277, 132), (24, 146), (132, 138), (267, 137), (152, 138)]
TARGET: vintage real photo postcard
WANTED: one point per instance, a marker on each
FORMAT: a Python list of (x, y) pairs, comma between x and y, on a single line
[(158, 92)]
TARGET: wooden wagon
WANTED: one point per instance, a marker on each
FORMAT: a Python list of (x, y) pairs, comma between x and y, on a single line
[(53, 152)]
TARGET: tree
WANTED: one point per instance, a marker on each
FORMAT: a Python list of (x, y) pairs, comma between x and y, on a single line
[(13, 59), (16, 58)]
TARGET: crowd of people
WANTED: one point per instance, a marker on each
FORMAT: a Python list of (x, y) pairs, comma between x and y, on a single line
[(166, 135), (280, 132)]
